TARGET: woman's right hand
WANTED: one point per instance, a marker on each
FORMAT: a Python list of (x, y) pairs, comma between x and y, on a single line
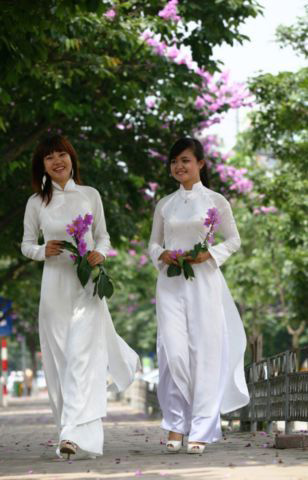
[(53, 248), (167, 258)]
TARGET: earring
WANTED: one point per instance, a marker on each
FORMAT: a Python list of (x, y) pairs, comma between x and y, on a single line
[(44, 178), (72, 173)]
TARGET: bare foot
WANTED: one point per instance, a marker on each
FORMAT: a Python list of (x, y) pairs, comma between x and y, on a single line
[(175, 436)]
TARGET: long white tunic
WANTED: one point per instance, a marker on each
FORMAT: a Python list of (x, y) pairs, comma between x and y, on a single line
[(201, 308), (78, 340)]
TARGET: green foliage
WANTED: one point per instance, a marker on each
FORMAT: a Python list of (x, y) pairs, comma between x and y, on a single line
[(295, 36), (269, 275), (132, 305), (67, 68)]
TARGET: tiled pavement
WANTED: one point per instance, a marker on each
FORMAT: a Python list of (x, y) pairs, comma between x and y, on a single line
[(134, 447)]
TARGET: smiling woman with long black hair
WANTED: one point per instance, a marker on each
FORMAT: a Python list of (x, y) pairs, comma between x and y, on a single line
[(201, 340), (78, 341)]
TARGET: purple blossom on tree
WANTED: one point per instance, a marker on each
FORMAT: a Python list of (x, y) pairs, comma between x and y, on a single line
[(150, 101), (169, 12), (110, 14), (112, 253), (143, 260)]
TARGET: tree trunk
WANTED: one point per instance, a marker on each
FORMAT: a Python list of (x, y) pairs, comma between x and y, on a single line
[(32, 346), (295, 340), (256, 345)]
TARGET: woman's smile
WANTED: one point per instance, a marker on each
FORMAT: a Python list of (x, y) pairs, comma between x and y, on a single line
[(59, 166)]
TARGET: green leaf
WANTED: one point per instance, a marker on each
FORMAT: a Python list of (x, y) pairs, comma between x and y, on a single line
[(95, 288), (196, 250), (188, 270), (174, 270), (84, 270), (104, 286), (70, 247), (180, 261), (95, 272)]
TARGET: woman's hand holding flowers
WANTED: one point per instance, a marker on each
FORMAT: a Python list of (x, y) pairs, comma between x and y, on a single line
[(168, 258), (200, 258), (198, 254), (53, 248), (95, 258), (88, 263)]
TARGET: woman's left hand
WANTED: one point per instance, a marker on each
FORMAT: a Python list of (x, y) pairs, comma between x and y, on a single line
[(200, 258), (95, 258)]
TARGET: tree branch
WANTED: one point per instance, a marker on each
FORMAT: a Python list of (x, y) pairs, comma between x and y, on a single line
[(11, 154), (7, 219)]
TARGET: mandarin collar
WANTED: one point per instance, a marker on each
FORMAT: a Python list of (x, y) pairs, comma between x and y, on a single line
[(196, 188), (69, 186)]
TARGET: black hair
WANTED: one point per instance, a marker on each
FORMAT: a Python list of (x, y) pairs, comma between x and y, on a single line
[(47, 145), (197, 149)]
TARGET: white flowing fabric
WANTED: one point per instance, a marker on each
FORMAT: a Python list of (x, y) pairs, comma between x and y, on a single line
[(78, 341), (195, 317)]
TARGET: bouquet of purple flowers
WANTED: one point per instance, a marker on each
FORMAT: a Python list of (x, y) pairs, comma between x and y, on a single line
[(79, 253), (212, 221)]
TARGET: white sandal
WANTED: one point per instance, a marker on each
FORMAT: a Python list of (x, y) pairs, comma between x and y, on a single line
[(197, 448), (174, 446)]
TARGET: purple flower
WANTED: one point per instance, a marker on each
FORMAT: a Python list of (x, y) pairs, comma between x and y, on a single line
[(132, 252), (210, 239), (110, 14), (82, 247), (150, 101), (172, 52), (70, 230), (81, 225), (213, 218), (169, 12), (268, 209), (240, 183), (88, 219), (143, 260), (199, 102), (175, 253), (112, 253), (153, 186)]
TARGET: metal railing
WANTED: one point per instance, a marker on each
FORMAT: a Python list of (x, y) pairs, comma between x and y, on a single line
[(278, 388)]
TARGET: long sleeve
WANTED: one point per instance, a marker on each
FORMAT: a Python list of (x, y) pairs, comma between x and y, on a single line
[(156, 243), (29, 246), (222, 251), (100, 234)]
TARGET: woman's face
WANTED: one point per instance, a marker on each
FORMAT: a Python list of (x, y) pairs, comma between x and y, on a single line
[(58, 165), (185, 168)]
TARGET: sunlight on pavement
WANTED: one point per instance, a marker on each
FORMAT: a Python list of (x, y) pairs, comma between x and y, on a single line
[(179, 473)]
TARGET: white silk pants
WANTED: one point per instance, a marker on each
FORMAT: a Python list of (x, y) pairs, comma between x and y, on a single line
[(178, 416), (192, 356)]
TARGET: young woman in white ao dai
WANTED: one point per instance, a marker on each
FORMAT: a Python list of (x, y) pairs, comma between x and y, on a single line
[(201, 340), (78, 341)]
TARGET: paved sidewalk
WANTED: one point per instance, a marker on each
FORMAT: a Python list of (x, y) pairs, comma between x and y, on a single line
[(134, 449)]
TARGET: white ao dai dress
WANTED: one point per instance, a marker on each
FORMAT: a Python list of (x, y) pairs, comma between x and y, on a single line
[(201, 339), (78, 341)]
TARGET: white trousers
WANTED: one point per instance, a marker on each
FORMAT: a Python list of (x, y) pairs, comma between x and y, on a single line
[(177, 412)]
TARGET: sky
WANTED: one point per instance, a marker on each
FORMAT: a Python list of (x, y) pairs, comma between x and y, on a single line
[(260, 54)]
